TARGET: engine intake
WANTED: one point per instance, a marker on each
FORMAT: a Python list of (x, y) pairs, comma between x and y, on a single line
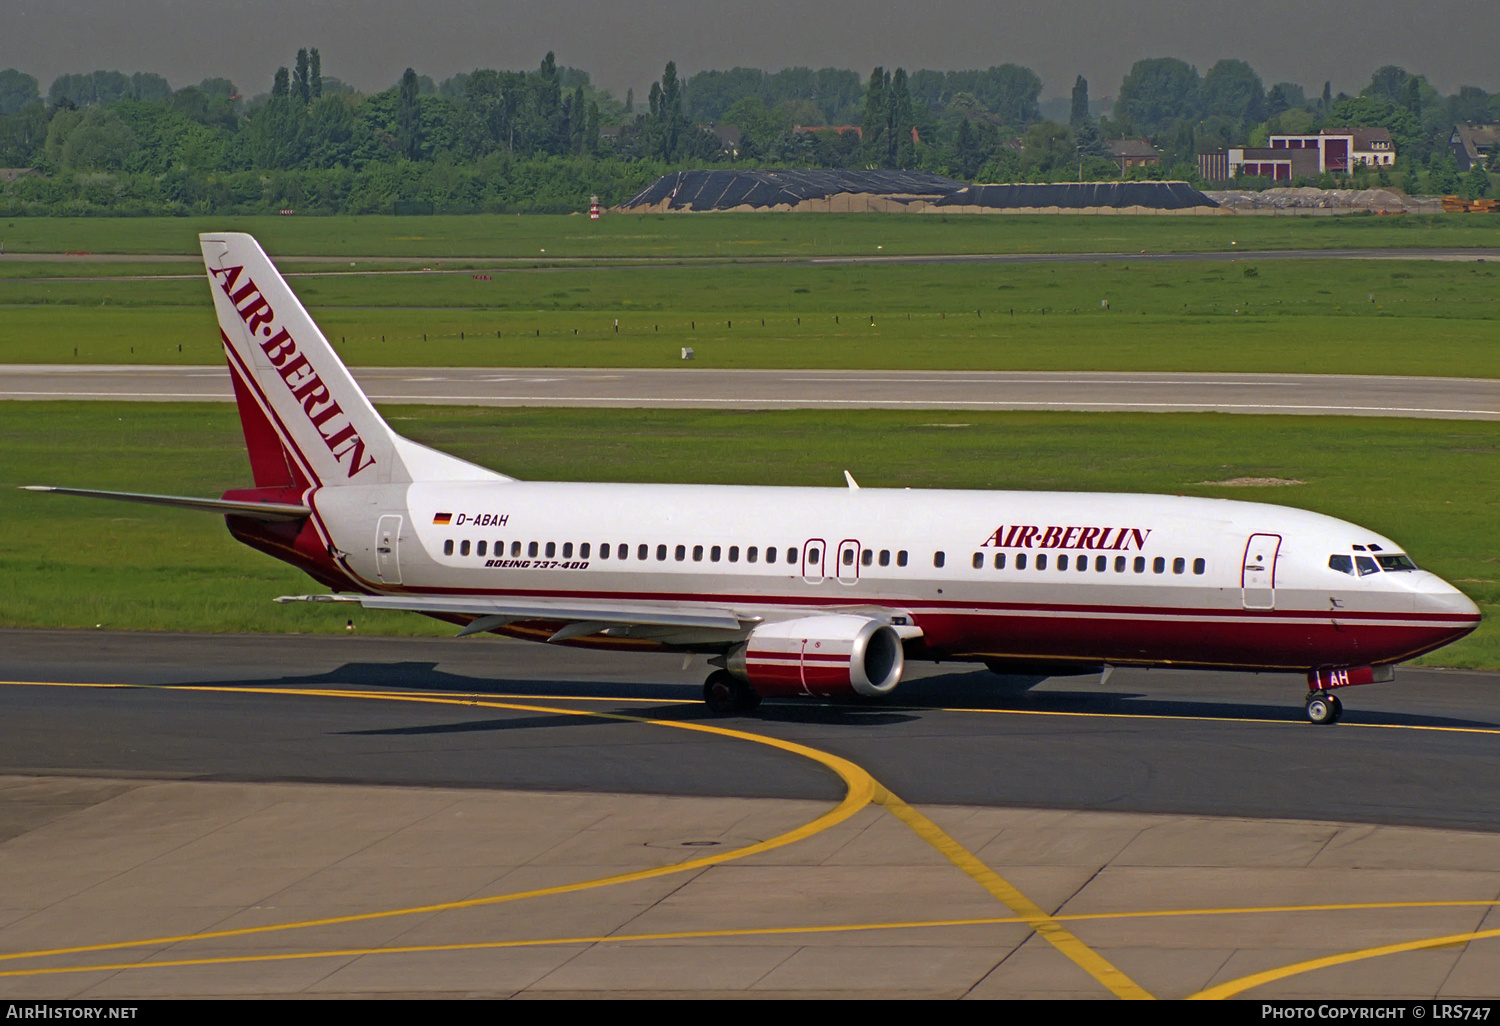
[(837, 654)]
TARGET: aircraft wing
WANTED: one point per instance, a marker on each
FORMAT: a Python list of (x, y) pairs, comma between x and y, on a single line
[(257, 510), (581, 618)]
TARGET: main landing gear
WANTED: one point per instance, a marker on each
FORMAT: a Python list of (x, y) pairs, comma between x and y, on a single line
[(1324, 709), (725, 694)]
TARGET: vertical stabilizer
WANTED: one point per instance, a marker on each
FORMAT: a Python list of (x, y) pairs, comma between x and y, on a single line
[(329, 432)]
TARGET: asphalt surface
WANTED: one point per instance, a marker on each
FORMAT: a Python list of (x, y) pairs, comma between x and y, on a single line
[(694, 388), (1420, 751)]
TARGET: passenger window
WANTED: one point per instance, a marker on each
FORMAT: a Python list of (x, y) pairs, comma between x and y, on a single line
[(661, 553), (791, 555), (848, 559), (463, 548), (583, 550), (1140, 564), (448, 547), (1041, 561), (681, 553), (515, 548), (1062, 561), (1159, 565), (771, 551), (814, 556), (644, 552), (499, 548), (1199, 566), (567, 550), (480, 548), (714, 554), (901, 558), (999, 561), (1083, 562), (1020, 561), (1101, 563), (885, 557), (1179, 565), (697, 553), (979, 561), (604, 551), (939, 558), (551, 549), (734, 553), (1119, 564), (751, 553), (867, 557), (1366, 565)]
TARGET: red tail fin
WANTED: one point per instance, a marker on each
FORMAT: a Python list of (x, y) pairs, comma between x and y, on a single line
[(269, 463)]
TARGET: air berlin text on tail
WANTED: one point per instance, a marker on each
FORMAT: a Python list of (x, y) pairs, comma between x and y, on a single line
[(301, 378)]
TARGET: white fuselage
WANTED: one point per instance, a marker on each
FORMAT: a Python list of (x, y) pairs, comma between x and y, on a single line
[(1050, 576)]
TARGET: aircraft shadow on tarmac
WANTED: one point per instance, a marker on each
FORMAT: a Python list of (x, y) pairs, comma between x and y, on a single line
[(962, 689)]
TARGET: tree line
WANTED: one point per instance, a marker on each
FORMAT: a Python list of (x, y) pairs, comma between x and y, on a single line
[(547, 139)]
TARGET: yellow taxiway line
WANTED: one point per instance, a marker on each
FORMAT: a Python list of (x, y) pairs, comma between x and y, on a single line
[(862, 789)]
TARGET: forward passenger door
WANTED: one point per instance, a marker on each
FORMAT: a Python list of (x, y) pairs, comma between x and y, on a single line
[(1258, 575)]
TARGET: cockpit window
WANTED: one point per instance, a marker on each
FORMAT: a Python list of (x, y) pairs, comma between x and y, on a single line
[(1343, 564), (1366, 565), (1395, 561)]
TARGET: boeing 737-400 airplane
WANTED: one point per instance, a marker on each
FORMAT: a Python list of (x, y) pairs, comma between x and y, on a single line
[(791, 591)]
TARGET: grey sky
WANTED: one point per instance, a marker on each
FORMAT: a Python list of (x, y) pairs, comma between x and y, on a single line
[(369, 42)]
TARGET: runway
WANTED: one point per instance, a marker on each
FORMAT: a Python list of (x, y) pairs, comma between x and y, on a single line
[(700, 388), (491, 817), (434, 264)]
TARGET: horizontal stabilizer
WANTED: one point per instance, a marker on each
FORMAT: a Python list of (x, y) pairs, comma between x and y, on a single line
[(255, 510), (599, 614)]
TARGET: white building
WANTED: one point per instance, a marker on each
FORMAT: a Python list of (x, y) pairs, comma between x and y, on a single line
[(1340, 149)]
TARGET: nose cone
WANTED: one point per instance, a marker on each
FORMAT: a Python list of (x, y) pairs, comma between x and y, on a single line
[(1437, 596)]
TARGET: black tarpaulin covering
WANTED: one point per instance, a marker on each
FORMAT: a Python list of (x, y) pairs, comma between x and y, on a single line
[(722, 190), (1074, 195), (726, 189)]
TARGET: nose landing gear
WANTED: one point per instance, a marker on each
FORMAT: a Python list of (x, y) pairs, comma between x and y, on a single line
[(1324, 709)]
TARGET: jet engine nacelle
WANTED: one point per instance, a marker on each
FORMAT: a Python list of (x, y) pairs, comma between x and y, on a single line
[(837, 654)]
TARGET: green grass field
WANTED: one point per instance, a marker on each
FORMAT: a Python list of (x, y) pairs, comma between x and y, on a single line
[(743, 235), (1365, 316), (68, 562)]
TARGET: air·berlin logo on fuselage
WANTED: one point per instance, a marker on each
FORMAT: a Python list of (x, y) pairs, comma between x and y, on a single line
[(322, 411), (1023, 536)]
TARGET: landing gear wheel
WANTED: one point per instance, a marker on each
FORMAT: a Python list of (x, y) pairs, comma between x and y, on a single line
[(725, 694), (1323, 710)]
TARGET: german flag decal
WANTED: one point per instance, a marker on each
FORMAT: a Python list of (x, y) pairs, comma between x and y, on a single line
[(442, 518)]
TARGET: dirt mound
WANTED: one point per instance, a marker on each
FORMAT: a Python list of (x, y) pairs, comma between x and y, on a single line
[(1390, 201), (842, 191)]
